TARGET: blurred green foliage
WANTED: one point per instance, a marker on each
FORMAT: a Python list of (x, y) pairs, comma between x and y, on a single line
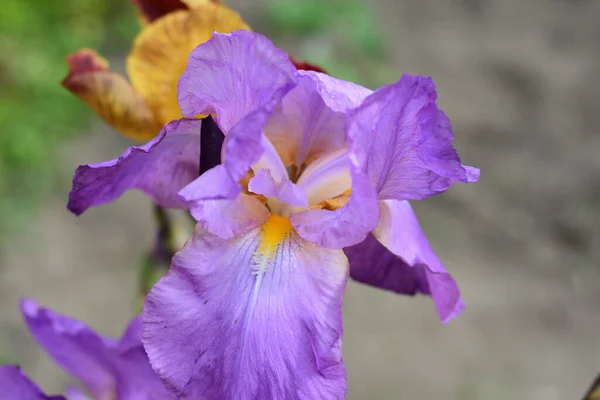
[(35, 111), (343, 36)]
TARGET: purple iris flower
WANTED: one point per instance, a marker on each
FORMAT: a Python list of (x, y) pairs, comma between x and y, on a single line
[(313, 184), (109, 369), (15, 385)]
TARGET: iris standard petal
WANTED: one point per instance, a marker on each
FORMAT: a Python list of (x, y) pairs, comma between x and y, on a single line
[(232, 75), (73, 346), (254, 317), (310, 121), (160, 169), (406, 141), (160, 53), (398, 257), (109, 95), (15, 385)]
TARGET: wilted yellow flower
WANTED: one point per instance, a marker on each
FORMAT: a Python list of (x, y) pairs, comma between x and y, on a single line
[(138, 108)]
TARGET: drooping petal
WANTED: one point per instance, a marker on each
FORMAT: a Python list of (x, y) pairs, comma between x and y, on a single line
[(106, 367), (109, 95), (406, 141), (73, 346), (255, 317), (15, 385), (160, 53), (398, 257), (310, 120), (234, 75), (285, 191), (160, 169)]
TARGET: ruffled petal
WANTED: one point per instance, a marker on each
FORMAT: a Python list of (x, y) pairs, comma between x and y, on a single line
[(109, 95), (285, 190), (232, 76), (248, 77), (73, 346), (398, 257), (15, 385), (160, 53), (160, 169), (106, 367), (310, 120), (406, 141), (254, 317)]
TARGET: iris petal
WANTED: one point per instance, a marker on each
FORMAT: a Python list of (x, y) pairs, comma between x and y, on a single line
[(398, 257), (160, 53), (405, 141), (310, 120), (160, 169), (16, 385), (105, 366), (254, 317)]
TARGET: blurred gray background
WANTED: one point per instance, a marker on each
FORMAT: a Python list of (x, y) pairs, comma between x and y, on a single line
[(519, 80)]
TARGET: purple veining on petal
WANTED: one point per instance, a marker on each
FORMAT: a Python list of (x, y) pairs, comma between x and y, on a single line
[(231, 75), (217, 325), (405, 141), (241, 77)]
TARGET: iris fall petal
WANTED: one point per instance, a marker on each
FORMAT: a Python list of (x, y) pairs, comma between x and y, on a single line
[(15, 385), (108, 368), (398, 257), (254, 317), (160, 169)]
